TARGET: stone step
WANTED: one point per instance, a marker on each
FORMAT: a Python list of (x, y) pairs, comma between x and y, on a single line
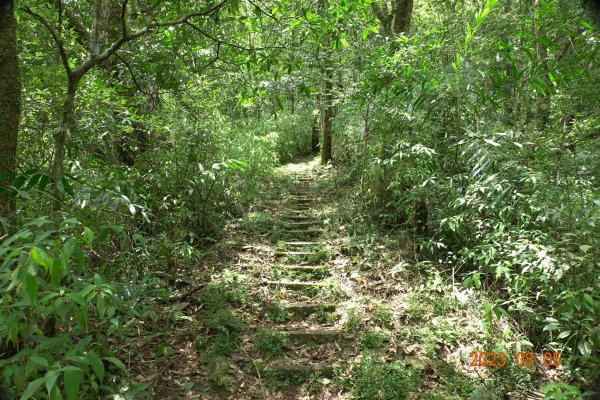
[(297, 285), (299, 224), (301, 243), (305, 309), (303, 232), (296, 217), (300, 369), (320, 335), (305, 268), (301, 272), (297, 212), (303, 369), (300, 200), (293, 253), (302, 207)]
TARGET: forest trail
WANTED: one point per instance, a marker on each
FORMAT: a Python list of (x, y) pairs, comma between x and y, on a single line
[(306, 302), (304, 281), (242, 200), (332, 307)]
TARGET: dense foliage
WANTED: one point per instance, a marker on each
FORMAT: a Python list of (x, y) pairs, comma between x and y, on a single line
[(146, 126)]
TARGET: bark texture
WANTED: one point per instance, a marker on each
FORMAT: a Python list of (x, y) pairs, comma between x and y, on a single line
[(10, 103), (327, 117), (402, 15), (395, 20)]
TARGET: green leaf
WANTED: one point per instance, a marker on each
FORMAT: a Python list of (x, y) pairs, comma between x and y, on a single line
[(40, 257), (97, 365), (564, 334), (19, 181), (67, 187), (76, 298), (344, 42), (31, 285), (584, 24), (489, 141), (477, 281), (585, 348), (72, 380), (88, 236), (39, 361), (32, 388), (365, 34), (116, 362), (545, 41), (50, 380)]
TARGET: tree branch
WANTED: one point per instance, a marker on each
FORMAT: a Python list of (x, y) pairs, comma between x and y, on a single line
[(211, 62), (59, 43), (220, 41), (262, 11), (133, 77), (93, 61)]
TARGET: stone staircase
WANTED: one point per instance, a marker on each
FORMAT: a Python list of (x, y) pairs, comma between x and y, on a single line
[(302, 279)]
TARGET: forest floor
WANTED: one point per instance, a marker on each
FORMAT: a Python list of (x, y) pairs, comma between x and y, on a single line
[(303, 299)]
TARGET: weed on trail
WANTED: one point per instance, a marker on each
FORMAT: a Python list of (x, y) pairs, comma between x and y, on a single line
[(376, 379)]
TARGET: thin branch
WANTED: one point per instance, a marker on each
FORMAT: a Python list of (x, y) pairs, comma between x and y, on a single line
[(186, 295), (93, 61), (262, 11), (59, 43), (237, 46), (133, 77), (211, 62)]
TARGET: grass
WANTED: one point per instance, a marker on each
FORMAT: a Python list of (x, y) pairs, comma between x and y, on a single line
[(382, 315), (376, 379), (370, 340), (275, 312), (270, 342)]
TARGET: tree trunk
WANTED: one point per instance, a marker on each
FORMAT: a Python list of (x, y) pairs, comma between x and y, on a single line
[(403, 10), (543, 100), (60, 137), (10, 104), (314, 144), (327, 118)]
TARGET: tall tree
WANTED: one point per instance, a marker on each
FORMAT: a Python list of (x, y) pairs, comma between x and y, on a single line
[(396, 19), (95, 56), (10, 102), (327, 115)]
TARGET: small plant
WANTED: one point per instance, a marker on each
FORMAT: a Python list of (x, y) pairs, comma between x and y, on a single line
[(213, 298), (277, 380), (320, 256), (354, 320), (217, 370), (257, 223), (376, 379), (236, 286), (224, 330), (484, 393), (277, 313), (382, 315), (417, 309), (372, 339), (270, 342)]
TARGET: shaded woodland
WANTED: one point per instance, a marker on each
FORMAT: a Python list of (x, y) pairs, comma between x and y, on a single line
[(277, 199)]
